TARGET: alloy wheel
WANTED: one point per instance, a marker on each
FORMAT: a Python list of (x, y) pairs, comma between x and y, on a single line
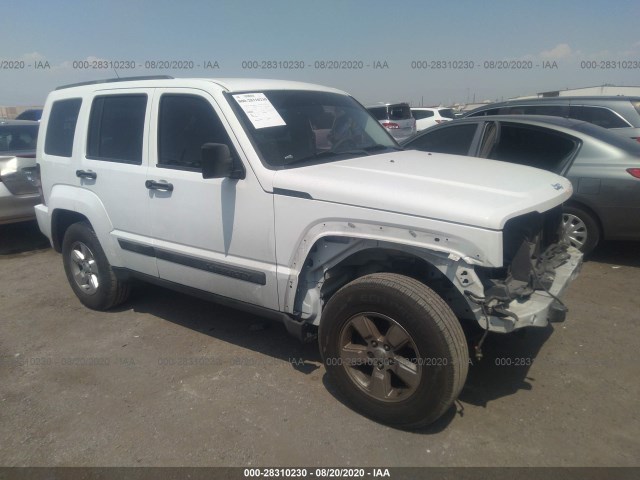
[(84, 268), (574, 230), (380, 357)]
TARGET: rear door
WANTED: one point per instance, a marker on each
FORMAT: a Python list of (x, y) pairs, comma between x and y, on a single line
[(114, 167), (606, 180)]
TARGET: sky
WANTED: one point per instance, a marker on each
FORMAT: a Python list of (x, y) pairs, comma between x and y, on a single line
[(422, 52)]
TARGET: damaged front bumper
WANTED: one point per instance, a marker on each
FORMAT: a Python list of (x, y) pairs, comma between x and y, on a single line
[(537, 308)]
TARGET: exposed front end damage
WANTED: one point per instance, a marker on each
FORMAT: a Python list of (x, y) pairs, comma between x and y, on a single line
[(537, 268), (532, 268)]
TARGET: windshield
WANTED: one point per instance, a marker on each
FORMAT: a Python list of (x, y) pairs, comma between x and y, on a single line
[(17, 138), (300, 127)]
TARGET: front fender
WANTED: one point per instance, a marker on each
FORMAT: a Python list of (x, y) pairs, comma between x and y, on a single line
[(447, 252)]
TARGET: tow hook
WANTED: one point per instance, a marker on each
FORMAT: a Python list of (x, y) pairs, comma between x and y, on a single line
[(487, 310), (478, 347)]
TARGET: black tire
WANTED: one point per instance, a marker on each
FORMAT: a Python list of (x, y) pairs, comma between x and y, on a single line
[(92, 278), (436, 342), (580, 229)]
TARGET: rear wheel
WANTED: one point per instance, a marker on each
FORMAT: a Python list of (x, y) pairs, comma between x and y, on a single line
[(580, 229), (88, 271), (394, 349)]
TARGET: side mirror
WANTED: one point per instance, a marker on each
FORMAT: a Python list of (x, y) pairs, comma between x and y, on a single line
[(217, 162)]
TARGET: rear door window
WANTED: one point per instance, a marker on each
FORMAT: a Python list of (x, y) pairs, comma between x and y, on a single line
[(116, 128), (455, 139)]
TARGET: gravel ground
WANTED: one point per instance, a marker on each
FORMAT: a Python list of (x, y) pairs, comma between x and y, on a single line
[(169, 380)]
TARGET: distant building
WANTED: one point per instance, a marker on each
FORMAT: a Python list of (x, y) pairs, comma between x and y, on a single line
[(610, 90)]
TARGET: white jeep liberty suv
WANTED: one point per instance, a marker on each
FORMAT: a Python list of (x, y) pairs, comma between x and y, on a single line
[(290, 200)]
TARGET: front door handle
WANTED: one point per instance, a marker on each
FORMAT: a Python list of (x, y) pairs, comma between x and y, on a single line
[(161, 185), (91, 175)]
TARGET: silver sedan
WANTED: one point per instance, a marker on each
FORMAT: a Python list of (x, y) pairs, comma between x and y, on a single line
[(18, 194), (603, 167)]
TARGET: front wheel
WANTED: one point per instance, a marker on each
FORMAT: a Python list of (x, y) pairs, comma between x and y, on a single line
[(394, 349)]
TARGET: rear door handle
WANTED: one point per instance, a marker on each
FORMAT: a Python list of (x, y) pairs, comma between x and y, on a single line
[(161, 185), (86, 174)]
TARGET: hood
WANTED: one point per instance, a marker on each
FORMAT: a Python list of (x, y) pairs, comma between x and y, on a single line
[(452, 188)]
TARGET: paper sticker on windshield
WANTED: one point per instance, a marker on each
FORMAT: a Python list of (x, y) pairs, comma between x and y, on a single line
[(259, 110)]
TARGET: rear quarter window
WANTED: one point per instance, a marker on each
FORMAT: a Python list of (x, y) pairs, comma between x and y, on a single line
[(533, 146), (603, 117), (61, 127)]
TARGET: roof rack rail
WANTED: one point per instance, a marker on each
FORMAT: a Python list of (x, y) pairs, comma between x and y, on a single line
[(120, 79)]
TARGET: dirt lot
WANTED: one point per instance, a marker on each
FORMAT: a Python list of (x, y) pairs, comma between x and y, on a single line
[(169, 380)]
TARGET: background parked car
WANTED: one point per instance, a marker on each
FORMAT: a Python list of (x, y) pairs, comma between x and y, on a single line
[(396, 118), (428, 117), (18, 195), (621, 114), (32, 114), (603, 167)]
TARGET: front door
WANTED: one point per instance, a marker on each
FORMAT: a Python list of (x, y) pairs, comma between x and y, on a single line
[(215, 235)]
